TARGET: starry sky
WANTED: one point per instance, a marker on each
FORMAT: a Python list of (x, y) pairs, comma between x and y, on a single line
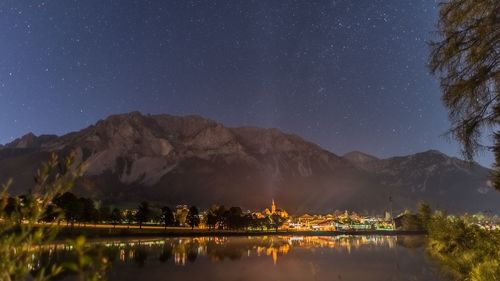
[(347, 75)]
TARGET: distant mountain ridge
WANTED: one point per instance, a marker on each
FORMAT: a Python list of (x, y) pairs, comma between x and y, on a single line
[(194, 160)]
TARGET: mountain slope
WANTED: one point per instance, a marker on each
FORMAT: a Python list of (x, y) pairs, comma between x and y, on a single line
[(173, 160), (431, 176)]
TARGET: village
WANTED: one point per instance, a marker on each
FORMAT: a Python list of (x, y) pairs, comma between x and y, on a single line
[(336, 221)]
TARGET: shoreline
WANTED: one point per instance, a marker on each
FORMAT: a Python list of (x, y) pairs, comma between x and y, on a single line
[(91, 232)]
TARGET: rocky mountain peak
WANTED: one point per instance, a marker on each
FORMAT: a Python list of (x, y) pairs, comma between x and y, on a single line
[(25, 141), (30, 140), (359, 157), (174, 159), (433, 151)]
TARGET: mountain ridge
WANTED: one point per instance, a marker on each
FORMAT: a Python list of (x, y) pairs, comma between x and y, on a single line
[(191, 159)]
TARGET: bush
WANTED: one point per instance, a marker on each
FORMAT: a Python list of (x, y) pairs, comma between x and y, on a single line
[(21, 235), (465, 250)]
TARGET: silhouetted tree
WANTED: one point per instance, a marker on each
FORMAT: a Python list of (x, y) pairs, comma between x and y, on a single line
[(277, 221), (51, 213), (156, 215), (256, 223), (70, 205), (89, 211), (235, 218), (221, 213), (211, 219), (12, 207), (104, 213), (424, 214), (167, 216), (143, 213), (129, 217), (467, 60), (217, 217), (247, 221), (193, 217), (116, 216)]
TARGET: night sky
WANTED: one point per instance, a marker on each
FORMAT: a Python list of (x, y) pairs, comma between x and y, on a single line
[(347, 75)]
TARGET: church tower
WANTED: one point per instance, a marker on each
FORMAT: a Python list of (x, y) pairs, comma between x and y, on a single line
[(273, 208)]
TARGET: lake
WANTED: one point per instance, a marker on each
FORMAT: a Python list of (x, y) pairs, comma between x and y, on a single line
[(287, 258)]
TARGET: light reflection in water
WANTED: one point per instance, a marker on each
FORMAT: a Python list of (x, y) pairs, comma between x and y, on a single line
[(289, 258), (184, 250)]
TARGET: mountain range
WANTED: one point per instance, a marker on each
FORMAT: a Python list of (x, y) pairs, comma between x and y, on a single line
[(174, 160)]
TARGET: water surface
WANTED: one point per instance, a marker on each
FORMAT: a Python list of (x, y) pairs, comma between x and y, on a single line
[(287, 258)]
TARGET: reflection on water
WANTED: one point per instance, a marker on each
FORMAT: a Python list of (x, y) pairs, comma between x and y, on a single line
[(262, 257)]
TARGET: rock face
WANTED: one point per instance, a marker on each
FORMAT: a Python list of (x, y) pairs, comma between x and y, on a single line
[(30, 141), (193, 160)]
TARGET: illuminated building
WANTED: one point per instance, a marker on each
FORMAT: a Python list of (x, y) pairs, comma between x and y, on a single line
[(274, 210)]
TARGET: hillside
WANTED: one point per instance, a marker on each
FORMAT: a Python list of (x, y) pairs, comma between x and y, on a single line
[(174, 160)]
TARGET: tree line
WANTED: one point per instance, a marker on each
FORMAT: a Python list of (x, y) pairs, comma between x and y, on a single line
[(71, 209)]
